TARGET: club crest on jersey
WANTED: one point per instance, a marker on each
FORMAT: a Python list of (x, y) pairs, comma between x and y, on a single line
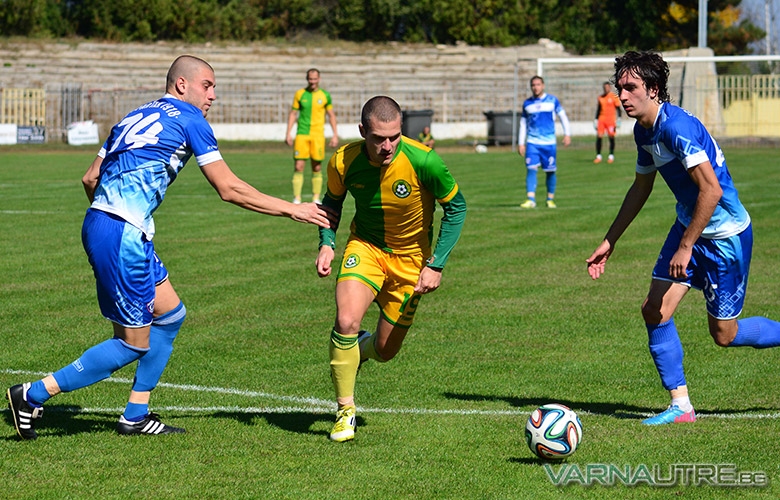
[(401, 188), (351, 261)]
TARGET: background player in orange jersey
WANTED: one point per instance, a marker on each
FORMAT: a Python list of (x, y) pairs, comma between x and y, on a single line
[(606, 121)]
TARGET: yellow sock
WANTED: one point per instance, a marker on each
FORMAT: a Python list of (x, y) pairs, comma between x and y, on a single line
[(368, 349), (316, 184), (297, 183), (344, 361)]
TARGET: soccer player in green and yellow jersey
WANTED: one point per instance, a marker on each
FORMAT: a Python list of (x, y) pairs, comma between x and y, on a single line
[(309, 107), (389, 259)]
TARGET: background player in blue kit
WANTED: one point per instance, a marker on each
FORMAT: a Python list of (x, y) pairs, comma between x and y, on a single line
[(125, 184), (537, 142), (708, 247)]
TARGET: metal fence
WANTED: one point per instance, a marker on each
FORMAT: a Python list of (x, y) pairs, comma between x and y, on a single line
[(744, 105)]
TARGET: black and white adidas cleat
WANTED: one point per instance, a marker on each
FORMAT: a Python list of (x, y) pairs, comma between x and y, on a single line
[(149, 425), (23, 412)]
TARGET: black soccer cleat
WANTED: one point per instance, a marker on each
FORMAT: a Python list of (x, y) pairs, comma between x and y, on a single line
[(149, 425), (23, 413)]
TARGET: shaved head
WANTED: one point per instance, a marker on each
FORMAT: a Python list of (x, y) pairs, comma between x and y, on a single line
[(186, 67), (382, 108)]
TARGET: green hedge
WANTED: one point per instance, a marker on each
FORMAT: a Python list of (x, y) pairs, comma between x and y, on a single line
[(583, 26)]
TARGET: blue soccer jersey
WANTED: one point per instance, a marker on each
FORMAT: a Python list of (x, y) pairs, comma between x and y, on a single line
[(679, 141), (537, 121), (145, 152)]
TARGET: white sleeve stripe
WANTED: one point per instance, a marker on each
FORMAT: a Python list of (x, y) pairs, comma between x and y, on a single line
[(695, 159), (207, 158)]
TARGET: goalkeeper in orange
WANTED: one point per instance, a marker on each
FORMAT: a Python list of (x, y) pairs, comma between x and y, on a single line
[(606, 122)]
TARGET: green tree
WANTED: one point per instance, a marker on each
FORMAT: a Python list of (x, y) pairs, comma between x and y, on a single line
[(34, 18)]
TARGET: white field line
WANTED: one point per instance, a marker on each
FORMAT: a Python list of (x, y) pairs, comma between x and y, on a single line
[(316, 405)]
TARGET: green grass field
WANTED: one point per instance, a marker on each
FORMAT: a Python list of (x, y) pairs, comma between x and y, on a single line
[(516, 323)]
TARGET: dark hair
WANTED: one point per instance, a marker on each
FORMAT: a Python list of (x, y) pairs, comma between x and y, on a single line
[(536, 77), (649, 67), (312, 70), (381, 107)]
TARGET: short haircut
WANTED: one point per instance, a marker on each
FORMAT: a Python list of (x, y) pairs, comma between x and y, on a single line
[(184, 66), (381, 107), (312, 70), (536, 77), (649, 67)]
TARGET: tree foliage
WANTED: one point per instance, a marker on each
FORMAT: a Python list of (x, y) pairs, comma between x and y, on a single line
[(582, 26)]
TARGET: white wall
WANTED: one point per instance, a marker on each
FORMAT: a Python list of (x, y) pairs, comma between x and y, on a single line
[(349, 131)]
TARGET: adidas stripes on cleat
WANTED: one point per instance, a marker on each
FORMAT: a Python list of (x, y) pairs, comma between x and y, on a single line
[(23, 412), (149, 425), (672, 415), (344, 428)]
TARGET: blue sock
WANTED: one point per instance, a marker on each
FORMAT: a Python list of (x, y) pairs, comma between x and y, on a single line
[(37, 394), (552, 181), (757, 332), (135, 412), (667, 352), (530, 181), (97, 363), (161, 337)]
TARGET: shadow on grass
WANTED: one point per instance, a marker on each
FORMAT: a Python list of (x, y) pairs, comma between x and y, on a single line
[(70, 420), (297, 422), (67, 420), (615, 410)]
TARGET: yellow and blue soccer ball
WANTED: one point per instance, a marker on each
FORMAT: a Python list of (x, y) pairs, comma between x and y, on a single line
[(553, 431)]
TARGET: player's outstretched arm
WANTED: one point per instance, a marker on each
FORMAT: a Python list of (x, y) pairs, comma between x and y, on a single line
[(236, 191)]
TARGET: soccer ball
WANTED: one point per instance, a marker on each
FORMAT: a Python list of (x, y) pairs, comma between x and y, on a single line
[(553, 432), (480, 148)]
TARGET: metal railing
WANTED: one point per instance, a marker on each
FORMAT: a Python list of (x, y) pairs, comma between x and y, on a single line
[(744, 105)]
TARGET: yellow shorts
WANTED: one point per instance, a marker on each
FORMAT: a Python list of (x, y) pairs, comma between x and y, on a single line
[(308, 146), (391, 277)]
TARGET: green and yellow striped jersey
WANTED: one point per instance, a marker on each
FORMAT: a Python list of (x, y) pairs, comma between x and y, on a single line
[(395, 204), (311, 108)]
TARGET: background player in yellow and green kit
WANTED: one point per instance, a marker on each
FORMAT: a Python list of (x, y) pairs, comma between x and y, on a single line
[(395, 182), (309, 107)]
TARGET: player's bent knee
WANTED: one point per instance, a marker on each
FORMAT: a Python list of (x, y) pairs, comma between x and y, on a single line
[(722, 338), (347, 324), (651, 314), (723, 332), (386, 354)]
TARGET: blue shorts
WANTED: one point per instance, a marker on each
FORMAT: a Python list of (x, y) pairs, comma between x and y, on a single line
[(540, 155), (718, 267), (126, 268)]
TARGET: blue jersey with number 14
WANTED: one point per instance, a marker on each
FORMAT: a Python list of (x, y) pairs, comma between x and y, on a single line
[(145, 152)]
